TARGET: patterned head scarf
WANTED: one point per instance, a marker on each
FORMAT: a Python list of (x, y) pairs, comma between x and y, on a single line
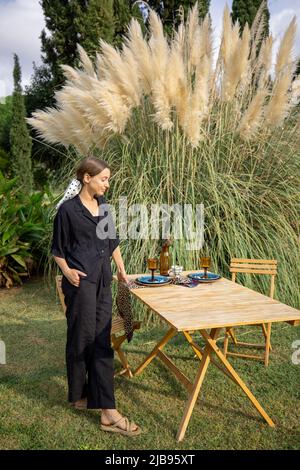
[(72, 190)]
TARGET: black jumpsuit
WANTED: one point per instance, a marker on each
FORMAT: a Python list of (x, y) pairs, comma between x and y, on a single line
[(89, 355)]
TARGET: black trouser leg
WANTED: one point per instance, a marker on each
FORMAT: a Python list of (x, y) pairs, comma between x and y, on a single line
[(89, 356), (101, 367)]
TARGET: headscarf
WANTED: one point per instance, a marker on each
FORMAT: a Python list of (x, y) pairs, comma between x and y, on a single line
[(72, 190)]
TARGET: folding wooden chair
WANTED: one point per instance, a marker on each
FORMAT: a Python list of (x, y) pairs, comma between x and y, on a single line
[(116, 327), (252, 266)]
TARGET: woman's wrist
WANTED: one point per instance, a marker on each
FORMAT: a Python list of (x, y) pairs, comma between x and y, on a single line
[(66, 271), (121, 269)]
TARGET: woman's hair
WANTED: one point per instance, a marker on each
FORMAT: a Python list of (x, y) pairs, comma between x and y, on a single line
[(90, 165)]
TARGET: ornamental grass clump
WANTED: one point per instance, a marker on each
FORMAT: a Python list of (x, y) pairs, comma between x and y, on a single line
[(176, 76), (179, 125)]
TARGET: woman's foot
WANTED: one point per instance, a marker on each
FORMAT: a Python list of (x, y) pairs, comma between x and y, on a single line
[(112, 420)]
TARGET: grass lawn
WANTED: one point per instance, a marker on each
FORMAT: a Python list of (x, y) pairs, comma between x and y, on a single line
[(34, 412)]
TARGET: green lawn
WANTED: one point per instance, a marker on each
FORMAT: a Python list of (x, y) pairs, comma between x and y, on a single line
[(34, 412)]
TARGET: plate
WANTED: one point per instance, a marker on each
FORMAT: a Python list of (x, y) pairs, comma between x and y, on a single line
[(158, 280), (198, 277)]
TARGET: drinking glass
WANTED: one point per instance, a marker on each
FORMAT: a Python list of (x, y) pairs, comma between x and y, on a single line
[(205, 264), (152, 265)]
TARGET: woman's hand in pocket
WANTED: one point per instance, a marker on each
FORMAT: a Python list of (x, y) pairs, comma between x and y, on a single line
[(73, 276)]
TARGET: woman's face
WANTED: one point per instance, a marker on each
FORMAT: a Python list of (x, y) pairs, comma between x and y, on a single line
[(99, 183)]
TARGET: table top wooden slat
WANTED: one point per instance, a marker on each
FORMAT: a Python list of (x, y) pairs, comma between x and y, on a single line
[(214, 305)]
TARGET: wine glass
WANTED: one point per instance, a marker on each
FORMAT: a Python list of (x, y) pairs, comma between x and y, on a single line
[(152, 265), (205, 264)]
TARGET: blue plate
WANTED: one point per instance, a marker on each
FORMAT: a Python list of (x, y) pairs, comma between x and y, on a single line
[(157, 280), (198, 277)]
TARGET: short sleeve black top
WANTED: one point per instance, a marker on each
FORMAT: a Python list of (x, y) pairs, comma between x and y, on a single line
[(76, 238)]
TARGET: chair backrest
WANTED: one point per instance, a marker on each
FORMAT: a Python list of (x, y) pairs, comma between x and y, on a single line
[(255, 266)]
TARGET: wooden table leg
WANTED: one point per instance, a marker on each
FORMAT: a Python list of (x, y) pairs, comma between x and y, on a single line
[(197, 386), (197, 348), (190, 340), (211, 341), (171, 332)]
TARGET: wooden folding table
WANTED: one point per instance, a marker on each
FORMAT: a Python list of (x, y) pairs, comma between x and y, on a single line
[(208, 308)]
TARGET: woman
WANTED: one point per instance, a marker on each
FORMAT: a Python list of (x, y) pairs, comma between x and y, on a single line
[(82, 246)]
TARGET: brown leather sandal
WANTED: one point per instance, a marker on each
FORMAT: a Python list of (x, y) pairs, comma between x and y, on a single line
[(114, 427)]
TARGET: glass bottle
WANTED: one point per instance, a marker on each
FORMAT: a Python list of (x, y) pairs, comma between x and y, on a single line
[(165, 259)]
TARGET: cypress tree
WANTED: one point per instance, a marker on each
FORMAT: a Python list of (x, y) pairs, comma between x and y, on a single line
[(65, 22), (20, 140), (98, 22), (84, 22), (168, 10), (245, 11), (123, 15)]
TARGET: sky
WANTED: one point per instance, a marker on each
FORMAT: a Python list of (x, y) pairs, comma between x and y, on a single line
[(21, 23)]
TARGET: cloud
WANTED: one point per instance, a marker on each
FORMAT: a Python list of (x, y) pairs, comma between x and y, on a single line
[(21, 23), (279, 23)]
